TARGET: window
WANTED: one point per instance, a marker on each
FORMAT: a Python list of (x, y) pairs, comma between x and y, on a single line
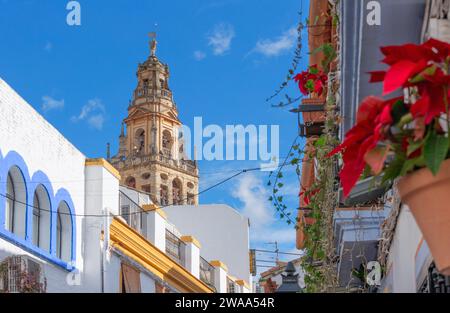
[(15, 211), (230, 286), (139, 141), (130, 278), (190, 199), (167, 143), (64, 233), (177, 193), (125, 213), (164, 195), (10, 199), (146, 188), (41, 218), (131, 182)]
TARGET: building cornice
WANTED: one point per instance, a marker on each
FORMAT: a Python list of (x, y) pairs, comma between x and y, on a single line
[(218, 263), (243, 283), (135, 246), (105, 164), (191, 239), (155, 208)]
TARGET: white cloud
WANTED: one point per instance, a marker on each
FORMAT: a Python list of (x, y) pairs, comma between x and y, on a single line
[(96, 121), (93, 112), (48, 103), (220, 38), (251, 192), (278, 46), (199, 55), (48, 46)]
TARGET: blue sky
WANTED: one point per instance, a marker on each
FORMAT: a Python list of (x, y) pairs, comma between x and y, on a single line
[(226, 58)]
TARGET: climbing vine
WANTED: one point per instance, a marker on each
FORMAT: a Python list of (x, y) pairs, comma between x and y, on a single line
[(13, 278), (319, 259)]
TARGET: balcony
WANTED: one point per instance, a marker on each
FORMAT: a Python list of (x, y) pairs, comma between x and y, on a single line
[(187, 166), (131, 212), (231, 285), (206, 273), (149, 92), (175, 248)]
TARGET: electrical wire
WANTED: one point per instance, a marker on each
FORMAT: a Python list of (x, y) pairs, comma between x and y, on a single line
[(133, 213)]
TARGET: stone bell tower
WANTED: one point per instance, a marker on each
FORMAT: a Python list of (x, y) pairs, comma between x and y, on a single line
[(151, 154)]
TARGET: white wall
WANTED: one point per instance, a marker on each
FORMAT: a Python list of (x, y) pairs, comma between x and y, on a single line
[(43, 149), (402, 255), (222, 232)]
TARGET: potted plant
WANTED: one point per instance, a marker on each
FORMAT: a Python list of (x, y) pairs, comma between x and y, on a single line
[(407, 137), (312, 83)]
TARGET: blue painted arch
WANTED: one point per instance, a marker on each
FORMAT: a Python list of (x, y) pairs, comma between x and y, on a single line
[(39, 178)]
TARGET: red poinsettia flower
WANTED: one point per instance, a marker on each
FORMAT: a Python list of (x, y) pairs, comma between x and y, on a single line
[(312, 80), (420, 69), (360, 145), (408, 60)]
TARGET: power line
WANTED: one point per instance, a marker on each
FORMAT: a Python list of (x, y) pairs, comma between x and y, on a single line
[(279, 252), (266, 261), (133, 213)]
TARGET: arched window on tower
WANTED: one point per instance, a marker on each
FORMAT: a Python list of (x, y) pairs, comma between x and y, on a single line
[(167, 142), (177, 192), (41, 218), (131, 182), (139, 141), (16, 197), (164, 195)]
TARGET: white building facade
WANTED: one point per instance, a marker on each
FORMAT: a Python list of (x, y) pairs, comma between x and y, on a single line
[(65, 217)]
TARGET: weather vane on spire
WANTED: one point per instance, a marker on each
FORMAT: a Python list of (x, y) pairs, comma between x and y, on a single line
[(153, 42)]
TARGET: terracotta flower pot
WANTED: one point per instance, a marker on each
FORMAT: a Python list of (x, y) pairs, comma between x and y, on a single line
[(313, 117), (428, 197)]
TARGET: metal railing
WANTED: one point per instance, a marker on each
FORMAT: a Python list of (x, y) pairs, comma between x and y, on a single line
[(231, 288), (175, 248), (146, 92), (130, 211), (435, 282), (139, 159), (206, 272)]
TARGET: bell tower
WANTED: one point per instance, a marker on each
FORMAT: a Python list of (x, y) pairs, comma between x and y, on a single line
[(151, 154)]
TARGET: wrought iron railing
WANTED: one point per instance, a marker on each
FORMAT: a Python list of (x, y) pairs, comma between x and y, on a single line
[(175, 248), (435, 282), (146, 92), (206, 272), (138, 159), (130, 211), (231, 287)]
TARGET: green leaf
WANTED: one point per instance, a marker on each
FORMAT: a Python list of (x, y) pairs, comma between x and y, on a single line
[(408, 166), (393, 170), (413, 147), (320, 142), (435, 151), (313, 70), (408, 118), (295, 161)]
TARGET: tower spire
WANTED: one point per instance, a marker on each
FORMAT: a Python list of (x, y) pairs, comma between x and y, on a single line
[(153, 43)]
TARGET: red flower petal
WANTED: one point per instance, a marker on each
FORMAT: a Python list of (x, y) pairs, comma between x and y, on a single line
[(377, 76), (400, 73)]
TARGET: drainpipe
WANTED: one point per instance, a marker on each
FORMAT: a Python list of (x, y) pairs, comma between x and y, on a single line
[(104, 249)]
